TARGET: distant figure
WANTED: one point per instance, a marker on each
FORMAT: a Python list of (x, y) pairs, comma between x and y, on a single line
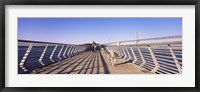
[(94, 46)]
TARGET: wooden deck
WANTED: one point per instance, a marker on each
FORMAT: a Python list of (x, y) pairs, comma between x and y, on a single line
[(90, 63)]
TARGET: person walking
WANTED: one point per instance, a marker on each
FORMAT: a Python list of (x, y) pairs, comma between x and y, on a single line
[(94, 45)]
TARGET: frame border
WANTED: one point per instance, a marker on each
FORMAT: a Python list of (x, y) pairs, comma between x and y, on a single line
[(3, 3)]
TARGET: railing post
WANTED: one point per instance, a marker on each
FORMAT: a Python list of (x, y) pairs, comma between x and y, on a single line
[(60, 52), (42, 55), (125, 56), (21, 64), (128, 54), (68, 53), (53, 53), (155, 61), (143, 60), (134, 56), (121, 54), (76, 50), (117, 49), (175, 60), (72, 51), (120, 49), (65, 51)]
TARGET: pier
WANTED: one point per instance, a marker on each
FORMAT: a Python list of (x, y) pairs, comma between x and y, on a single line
[(157, 55)]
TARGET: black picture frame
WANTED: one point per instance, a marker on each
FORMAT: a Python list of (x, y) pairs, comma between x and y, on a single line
[(3, 3)]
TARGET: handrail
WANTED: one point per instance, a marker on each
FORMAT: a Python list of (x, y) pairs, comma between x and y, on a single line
[(39, 43), (147, 39), (147, 44)]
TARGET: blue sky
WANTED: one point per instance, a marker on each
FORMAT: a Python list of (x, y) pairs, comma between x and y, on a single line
[(101, 30)]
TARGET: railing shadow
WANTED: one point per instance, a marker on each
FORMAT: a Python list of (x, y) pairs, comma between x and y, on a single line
[(84, 63), (91, 66), (106, 70)]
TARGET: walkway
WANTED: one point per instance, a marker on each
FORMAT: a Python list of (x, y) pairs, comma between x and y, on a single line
[(90, 63)]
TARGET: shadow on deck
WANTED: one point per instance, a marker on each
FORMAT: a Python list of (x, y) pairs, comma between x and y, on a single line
[(90, 63)]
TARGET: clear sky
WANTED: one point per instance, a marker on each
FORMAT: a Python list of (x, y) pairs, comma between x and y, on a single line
[(100, 30)]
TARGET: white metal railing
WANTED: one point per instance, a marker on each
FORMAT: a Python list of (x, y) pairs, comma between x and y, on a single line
[(157, 57), (32, 54)]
